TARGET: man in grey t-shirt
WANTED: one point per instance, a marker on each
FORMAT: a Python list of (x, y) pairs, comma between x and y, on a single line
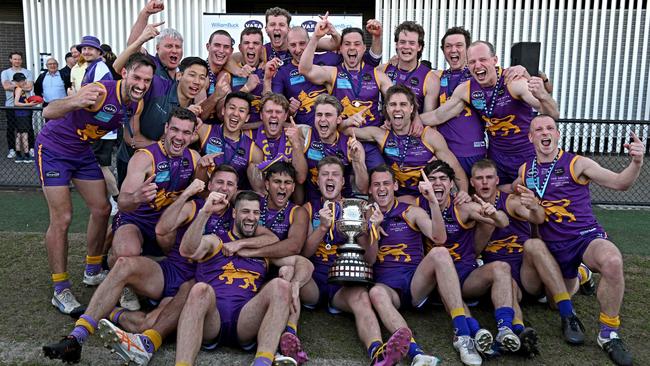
[(16, 61)]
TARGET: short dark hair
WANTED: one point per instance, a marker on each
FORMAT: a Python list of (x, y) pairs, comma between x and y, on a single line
[(138, 59), (409, 26), (440, 166), (246, 196), (281, 167), (12, 53), (251, 30), (184, 114), (401, 89), (68, 55), (483, 164), (328, 99), (456, 30), (19, 76), (225, 168), (331, 160), (222, 33), (383, 168), (349, 30), (276, 12), (239, 95), (189, 61)]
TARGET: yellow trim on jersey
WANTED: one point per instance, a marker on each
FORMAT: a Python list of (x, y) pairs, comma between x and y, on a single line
[(140, 106), (153, 161), (291, 214), (192, 214), (523, 173), (101, 102), (573, 174), (216, 250), (407, 221), (335, 73), (194, 161), (424, 87), (204, 140), (40, 164), (308, 207), (383, 140), (374, 72), (425, 143), (460, 222)]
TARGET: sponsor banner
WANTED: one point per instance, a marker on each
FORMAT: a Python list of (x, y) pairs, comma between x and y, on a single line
[(235, 23)]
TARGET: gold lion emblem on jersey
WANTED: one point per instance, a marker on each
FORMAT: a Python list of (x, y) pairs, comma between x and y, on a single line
[(230, 274), (406, 177), (91, 132), (350, 109), (307, 100), (559, 209), (503, 125), (397, 251), (256, 104), (510, 244), (443, 100), (325, 253)]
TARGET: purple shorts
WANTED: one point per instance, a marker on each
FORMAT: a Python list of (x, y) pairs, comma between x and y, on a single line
[(229, 313), (464, 269), (373, 155), (147, 227), (175, 274), (326, 290), (568, 253), (56, 169), (508, 164), (400, 281), (466, 162), (514, 261)]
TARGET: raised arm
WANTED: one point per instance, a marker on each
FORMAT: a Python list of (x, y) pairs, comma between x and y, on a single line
[(534, 94), (437, 141), (586, 168), (146, 35), (319, 75), (152, 7), (89, 97), (177, 214), (317, 235), (194, 244), (373, 26), (357, 158), (432, 226), (452, 107), (139, 186)]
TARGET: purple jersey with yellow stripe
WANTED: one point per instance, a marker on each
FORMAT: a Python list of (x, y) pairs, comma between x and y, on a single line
[(278, 221), (316, 151), (270, 52), (290, 83), (237, 82), (507, 244), (73, 133), (413, 79), (272, 148), (402, 248), (465, 133), (566, 200), (406, 155), (173, 175), (507, 118), (357, 90)]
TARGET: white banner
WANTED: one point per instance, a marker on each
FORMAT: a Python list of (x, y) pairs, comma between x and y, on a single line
[(235, 23)]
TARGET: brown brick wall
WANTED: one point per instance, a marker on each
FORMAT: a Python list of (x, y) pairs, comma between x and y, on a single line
[(12, 38)]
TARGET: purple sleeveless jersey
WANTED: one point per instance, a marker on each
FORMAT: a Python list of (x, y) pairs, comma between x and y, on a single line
[(464, 133), (290, 83), (406, 155), (278, 221), (413, 79), (566, 200), (71, 134), (316, 151), (269, 53), (237, 154), (357, 90), (507, 118), (272, 148), (402, 248)]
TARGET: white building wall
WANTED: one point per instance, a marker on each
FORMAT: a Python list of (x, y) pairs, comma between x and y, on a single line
[(597, 57), (52, 26)]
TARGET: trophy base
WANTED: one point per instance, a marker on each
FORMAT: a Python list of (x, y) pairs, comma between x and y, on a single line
[(350, 269)]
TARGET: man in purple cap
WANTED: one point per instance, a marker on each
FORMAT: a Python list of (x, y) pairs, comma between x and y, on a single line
[(90, 48)]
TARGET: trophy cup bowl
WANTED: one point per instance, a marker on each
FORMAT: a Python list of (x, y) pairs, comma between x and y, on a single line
[(350, 268)]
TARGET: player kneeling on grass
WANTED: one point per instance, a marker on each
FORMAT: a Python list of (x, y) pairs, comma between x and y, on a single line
[(230, 304)]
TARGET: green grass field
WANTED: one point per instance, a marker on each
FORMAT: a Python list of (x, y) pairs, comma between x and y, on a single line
[(29, 321)]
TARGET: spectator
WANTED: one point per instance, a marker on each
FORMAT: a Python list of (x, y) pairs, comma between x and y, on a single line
[(77, 74), (109, 57), (7, 76), (51, 84), (65, 71), (75, 54), (92, 52), (23, 117)]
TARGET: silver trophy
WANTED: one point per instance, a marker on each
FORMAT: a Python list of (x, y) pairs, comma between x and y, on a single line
[(350, 268)]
